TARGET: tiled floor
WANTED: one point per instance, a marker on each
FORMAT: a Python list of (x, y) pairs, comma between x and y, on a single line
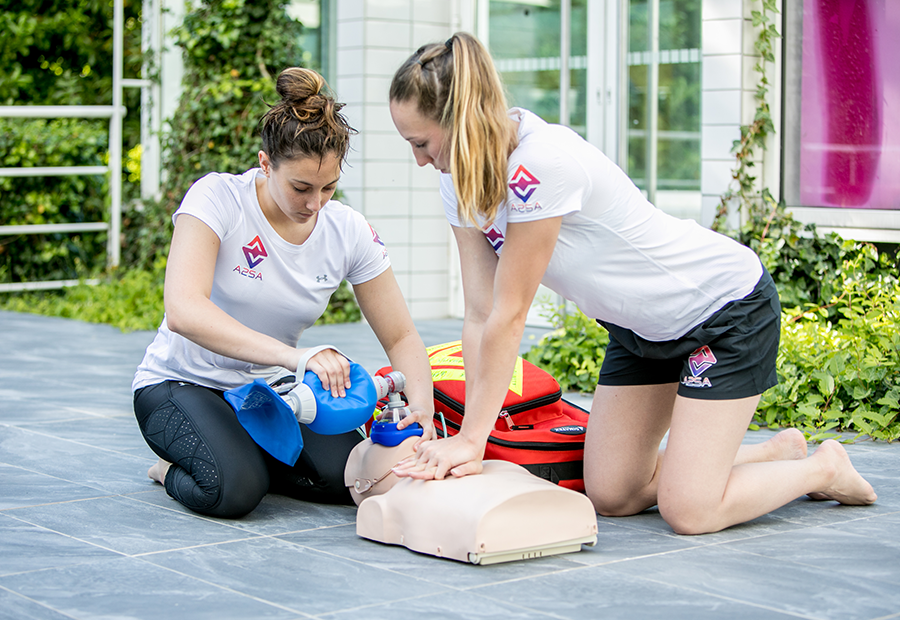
[(85, 534)]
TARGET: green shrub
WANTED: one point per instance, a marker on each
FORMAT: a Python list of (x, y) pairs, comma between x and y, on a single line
[(130, 300), (805, 265), (52, 200), (61, 52), (232, 51), (146, 231), (133, 300), (342, 308), (838, 363), (573, 352), (842, 376)]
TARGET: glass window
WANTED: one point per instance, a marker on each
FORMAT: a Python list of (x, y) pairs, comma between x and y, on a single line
[(313, 14), (524, 39), (663, 136)]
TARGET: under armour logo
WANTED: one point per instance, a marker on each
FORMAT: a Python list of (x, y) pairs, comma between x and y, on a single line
[(322, 278)]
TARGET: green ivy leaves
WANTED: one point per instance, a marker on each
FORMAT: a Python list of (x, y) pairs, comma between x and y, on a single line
[(232, 51), (573, 352), (838, 363), (52, 200), (840, 371)]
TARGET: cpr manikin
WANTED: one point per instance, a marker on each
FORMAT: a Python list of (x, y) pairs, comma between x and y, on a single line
[(503, 514)]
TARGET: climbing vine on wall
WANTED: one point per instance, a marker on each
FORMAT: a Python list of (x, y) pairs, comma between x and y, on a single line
[(742, 192)]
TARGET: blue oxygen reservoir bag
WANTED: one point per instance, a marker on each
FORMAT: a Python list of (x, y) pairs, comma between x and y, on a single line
[(272, 415)]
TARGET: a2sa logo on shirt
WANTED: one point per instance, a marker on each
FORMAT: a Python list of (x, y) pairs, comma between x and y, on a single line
[(254, 253), (377, 239), (523, 185)]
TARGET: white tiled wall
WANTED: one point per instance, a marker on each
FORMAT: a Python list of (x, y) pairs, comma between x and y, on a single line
[(382, 181), (401, 200), (727, 100)]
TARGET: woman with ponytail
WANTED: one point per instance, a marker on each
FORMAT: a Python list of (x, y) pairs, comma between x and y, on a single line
[(254, 260), (693, 316)]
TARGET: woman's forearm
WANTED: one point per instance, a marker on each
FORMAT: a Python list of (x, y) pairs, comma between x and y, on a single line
[(190, 312), (207, 325), (408, 356), (488, 374)]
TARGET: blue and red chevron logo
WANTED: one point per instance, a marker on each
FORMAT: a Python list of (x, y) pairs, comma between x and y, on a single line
[(255, 252), (523, 183)]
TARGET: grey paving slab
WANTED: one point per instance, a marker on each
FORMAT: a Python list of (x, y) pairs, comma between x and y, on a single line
[(118, 433), (274, 516), (781, 585), (616, 541), (293, 576), (25, 547), (444, 606), (134, 588), (595, 592), (20, 487), (16, 607), (885, 528), (24, 407), (344, 543), (114, 472), (833, 549), (128, 527), (85, 534)]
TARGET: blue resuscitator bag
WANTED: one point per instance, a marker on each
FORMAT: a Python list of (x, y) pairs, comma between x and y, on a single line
[(273, 424), (267, 419)]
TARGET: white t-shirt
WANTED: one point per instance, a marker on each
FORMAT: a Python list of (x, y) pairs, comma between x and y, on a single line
[(619, 258), (266, 283)]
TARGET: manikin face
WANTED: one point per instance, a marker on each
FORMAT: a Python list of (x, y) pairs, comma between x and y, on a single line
[(301, 187), (424, 135)]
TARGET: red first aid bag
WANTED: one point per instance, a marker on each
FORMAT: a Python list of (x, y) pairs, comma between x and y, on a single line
[(536, 428)]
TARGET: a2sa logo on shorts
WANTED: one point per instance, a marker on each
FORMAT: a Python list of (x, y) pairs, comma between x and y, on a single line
[(699, 361), (696, 382)]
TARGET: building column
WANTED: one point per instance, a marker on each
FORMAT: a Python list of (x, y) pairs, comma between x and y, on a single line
[(381, 180), (728, 88)]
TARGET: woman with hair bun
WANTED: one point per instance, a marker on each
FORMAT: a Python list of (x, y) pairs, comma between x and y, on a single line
[(253, 262), (693, 316)]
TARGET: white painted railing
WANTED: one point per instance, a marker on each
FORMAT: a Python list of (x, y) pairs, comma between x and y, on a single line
[(115, 114)]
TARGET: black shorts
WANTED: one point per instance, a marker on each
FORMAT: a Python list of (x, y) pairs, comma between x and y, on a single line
[(730, 355)]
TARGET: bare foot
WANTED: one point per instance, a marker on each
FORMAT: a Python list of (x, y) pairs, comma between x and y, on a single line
[(158, 471), (788, 445), (847, 486)]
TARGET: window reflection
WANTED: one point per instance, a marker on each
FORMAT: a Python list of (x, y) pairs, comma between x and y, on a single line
[(310, 13), (524, 39), (676, 178)]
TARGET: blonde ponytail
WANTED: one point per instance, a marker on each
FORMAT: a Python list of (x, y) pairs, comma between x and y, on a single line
[(457, 85)]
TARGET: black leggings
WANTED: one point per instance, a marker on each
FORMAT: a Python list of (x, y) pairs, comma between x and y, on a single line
[(217, 469)]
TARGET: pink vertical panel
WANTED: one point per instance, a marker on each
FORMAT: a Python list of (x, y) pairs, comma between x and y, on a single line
[(850, 103)]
